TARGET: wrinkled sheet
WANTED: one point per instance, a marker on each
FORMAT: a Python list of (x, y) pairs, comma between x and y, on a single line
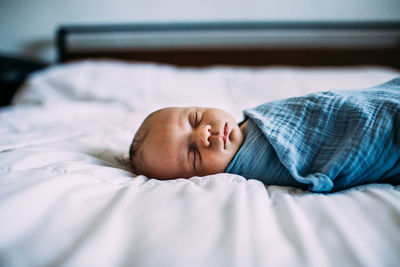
[(67, 197)]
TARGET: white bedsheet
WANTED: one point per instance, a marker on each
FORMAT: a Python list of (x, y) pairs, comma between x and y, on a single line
[(67, 199)]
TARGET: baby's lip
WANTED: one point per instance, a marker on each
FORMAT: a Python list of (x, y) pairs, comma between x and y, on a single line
[(225, 134)]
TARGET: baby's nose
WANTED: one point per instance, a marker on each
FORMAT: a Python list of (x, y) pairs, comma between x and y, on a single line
[(202, 134)]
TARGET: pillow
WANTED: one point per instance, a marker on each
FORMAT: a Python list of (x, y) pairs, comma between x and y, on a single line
[(146, 87)]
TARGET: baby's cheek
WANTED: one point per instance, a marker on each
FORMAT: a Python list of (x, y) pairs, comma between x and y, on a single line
[(214, 165)]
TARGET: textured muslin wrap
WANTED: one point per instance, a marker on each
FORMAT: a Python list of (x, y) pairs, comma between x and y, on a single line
[(324, 141)]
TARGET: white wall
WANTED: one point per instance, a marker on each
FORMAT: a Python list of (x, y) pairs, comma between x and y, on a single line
[(27, 26)]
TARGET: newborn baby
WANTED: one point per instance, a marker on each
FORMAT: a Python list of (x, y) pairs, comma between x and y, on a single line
[(184, 142), (322, 142)]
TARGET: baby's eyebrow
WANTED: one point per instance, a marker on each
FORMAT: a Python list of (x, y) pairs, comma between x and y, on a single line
[(184, 143), (182, 118), (184, 161)]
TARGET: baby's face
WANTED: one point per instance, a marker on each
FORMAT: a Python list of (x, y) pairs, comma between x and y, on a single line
[(186, 142)]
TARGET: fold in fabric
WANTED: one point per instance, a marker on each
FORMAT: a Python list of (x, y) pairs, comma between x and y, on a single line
[(324, 141)]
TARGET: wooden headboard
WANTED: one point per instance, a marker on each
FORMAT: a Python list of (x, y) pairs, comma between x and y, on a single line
[(233, 43)]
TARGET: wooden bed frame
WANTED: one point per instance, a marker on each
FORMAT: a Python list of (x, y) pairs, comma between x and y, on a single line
[(346, 43)]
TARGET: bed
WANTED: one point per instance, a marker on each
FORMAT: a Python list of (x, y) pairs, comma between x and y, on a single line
[(68, 198)]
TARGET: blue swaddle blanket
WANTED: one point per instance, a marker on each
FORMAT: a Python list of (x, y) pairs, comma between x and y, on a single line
[(324, 141)]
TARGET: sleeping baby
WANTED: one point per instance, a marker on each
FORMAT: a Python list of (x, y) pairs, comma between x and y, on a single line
[(323, 142)]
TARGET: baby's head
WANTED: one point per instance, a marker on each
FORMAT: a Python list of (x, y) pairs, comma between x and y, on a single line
[(185, 142)]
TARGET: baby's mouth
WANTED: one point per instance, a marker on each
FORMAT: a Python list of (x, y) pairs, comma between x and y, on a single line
[(226, 131)]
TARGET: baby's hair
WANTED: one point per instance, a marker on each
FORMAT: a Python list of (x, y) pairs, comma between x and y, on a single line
[(137, 142), (133, 151)]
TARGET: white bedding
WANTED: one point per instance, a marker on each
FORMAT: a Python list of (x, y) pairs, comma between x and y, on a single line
[(67, 199)]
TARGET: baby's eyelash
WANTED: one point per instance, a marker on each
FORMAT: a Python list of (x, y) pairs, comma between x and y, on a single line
[(194, 157), (192, 119)]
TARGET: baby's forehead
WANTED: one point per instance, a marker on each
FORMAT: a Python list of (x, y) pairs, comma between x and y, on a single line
[(165, 136), (161, 151), (169, 112), (163, 140), (166, 118)]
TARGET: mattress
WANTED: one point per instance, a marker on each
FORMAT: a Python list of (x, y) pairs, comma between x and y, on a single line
[(67, 197)]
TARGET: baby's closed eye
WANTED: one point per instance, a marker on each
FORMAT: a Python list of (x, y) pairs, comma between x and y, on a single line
[(194, 157)]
